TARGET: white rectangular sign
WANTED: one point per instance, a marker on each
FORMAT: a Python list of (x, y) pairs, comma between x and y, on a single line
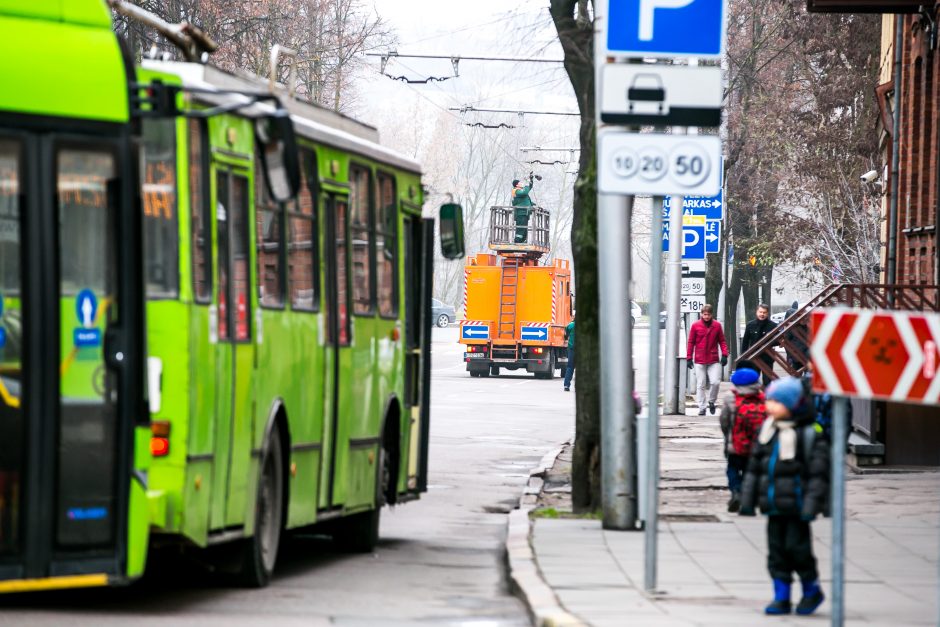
[(693, 287), (634, 163), (662, 95), (692, 304)]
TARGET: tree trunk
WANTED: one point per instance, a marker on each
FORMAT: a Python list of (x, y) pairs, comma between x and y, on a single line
[(577, 40)]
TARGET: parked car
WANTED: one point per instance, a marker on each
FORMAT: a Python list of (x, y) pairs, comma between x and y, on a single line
[(635, 313), (442, 314), (778, 317)]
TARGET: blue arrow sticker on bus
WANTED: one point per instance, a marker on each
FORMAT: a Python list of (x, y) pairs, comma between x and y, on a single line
[(87, 513), (534, 333), (475, 332), (86, 309)]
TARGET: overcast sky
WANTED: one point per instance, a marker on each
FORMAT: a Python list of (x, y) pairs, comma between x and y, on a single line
[(488, 28)]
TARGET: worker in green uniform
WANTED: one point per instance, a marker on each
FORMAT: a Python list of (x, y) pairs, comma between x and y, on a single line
[(569, 369), (523, 204)]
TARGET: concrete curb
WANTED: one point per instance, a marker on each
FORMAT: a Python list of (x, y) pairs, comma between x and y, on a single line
[(543, 606)]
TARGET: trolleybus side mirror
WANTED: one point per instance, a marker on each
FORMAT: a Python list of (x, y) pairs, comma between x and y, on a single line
[(278, 150), (452, 231)]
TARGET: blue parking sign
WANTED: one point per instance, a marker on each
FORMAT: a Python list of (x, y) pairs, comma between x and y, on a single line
[(666, 28)]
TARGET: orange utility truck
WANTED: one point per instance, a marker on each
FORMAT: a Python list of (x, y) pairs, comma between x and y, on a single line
[(516, 310)]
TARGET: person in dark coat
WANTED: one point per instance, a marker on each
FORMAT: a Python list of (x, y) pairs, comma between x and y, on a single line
[(788, 478), (796, 355), (522, 203), (755, 331)]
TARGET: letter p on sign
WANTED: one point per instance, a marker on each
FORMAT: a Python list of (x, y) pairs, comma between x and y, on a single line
[(647, 10)]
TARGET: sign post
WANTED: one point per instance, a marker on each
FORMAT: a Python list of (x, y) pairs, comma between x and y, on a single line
[(657, 94)]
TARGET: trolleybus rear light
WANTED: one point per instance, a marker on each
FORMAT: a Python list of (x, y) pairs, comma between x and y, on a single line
[(160, 440)]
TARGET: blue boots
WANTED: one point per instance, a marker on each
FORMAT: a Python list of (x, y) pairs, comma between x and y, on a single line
[(781, 602), (812, 598)]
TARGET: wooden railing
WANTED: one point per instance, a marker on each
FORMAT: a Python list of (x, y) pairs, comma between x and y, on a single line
[(793, 333)]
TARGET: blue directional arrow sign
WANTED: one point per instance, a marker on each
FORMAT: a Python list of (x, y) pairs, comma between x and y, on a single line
[(712, 236), (475, 332), (666, 28), (534, 333)]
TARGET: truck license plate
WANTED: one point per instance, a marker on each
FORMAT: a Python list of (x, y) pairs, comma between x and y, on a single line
[(474, 355)]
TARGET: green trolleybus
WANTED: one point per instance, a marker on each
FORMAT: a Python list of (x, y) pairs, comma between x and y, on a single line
[(214, 312)]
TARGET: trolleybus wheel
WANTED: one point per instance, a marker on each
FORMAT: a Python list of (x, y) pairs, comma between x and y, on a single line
[(359, 533), (261, 549)]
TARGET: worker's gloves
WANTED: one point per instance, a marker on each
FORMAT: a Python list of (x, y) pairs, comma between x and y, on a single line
[(724, 360)]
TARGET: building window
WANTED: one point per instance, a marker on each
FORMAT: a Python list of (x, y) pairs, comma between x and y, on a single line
[(270, 253), (362, 238), (161, 246), (386, 246), (304, 244)]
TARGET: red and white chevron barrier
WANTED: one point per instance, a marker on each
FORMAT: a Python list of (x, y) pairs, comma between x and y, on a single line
[(877, 354)]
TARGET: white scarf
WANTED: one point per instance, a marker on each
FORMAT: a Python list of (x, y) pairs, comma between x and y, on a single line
[(787, 436)]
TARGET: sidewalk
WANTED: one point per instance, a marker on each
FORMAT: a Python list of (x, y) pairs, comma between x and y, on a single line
[(712, 564)]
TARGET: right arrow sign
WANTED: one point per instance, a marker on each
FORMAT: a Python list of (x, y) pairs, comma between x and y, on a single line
[(876, 354)]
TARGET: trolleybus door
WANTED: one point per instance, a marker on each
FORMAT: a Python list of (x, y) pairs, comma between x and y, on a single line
[(70, 346), (338, 328), (234, 352)]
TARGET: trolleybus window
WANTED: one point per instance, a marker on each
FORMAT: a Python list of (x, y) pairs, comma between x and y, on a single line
[(342, 294), (83, 196), (86, 194), (11, 333), (201, 242), (241, 274), (359, 232), (304, 243), (386, 246), (161, 248), (269, 217)]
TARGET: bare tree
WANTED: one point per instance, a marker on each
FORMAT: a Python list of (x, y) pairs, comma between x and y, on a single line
[(574, 24), (329, 35)]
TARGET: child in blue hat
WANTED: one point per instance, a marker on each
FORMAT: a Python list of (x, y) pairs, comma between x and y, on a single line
[(741, 416), (788, 478)]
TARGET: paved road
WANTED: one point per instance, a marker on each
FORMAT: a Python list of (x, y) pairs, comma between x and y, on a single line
[(440, 559)]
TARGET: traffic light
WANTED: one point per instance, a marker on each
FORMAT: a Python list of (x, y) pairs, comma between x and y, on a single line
[(752, 260)]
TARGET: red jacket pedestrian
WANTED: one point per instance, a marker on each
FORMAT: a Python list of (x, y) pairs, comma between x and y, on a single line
[(704, 340)]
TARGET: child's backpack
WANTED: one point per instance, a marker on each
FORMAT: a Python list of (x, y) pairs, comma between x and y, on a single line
[(749, 415)]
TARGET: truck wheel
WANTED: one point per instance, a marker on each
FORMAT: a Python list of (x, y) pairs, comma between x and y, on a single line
[(260, 551), (495, 371)]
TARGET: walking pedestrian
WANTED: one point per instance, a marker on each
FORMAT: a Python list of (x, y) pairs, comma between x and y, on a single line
[(705, 337), (742, 414), (522, 203), (569, 368), (788, 477), (754, 332)]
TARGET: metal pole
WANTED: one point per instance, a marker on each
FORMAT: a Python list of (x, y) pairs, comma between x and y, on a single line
[(892, 276), (671, 402), (652, 403), (618, 468), (839, 425)]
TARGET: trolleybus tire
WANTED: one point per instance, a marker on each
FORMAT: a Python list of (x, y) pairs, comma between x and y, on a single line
[(260, 550), (359, 533)]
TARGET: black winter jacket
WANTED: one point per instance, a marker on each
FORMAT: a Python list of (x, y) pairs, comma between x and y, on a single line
[(792, 487), (754, 331)]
